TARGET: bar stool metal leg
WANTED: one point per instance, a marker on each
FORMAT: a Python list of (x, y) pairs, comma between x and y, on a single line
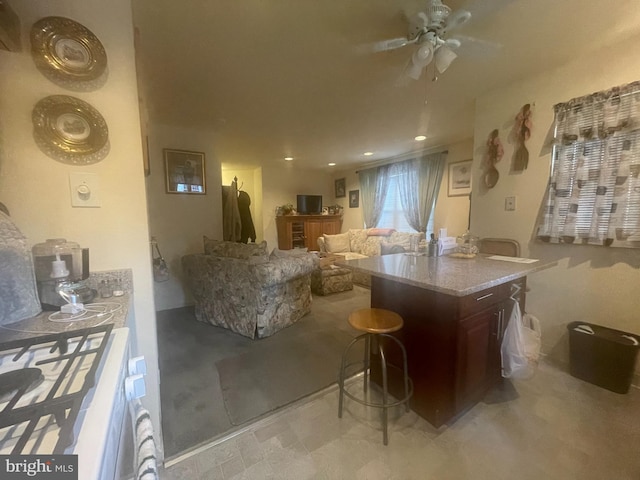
[(367, 349), (385, 403)]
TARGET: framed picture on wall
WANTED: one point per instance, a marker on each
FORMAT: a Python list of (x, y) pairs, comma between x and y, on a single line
[(341, 188), (459, 182), (354, 198), (184, 172)]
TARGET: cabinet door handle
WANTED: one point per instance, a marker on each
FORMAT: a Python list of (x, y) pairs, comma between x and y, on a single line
[(501, 323), (484, 296), (497, 334)]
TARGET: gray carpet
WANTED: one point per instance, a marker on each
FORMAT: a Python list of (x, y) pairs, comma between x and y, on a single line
[(212, 381), (257, 382)]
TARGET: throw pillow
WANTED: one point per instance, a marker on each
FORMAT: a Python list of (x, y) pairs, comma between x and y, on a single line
[(380, 232), (337, 243), (357, 237), (390, 248), (295, 252)]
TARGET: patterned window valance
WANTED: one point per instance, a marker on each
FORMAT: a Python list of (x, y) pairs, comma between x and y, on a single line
[(593, 195)]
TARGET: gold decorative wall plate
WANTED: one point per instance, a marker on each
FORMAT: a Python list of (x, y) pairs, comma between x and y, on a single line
[(70, 130), (66, 50)]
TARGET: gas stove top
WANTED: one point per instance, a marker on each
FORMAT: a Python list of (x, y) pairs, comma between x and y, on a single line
[(43, 383)]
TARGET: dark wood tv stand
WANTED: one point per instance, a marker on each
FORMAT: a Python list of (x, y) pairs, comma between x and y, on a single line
[(302, 231)]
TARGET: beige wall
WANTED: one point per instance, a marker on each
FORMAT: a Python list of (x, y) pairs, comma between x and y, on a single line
[(36, 188), (178, 221), (592, 284), (281, 185), (451, 212)]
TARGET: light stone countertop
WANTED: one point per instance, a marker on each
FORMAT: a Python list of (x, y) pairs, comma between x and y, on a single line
[(114, 311), (446, 274)]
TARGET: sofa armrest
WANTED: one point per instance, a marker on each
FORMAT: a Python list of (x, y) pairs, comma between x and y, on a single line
[(322, 246), (282, 270)]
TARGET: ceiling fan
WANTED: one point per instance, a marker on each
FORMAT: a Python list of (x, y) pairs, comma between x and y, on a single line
[(428, 31)]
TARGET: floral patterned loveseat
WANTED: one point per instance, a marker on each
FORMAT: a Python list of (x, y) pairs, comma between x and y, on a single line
[(241, 287)]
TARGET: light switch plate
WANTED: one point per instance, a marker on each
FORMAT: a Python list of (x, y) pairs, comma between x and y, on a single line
[(84, 189), (510, 204)]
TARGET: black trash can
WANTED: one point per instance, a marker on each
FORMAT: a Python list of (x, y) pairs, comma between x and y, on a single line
[(602, 356)]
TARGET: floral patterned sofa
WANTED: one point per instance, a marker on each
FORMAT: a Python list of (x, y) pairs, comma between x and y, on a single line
[(243, 288), (367, 242)]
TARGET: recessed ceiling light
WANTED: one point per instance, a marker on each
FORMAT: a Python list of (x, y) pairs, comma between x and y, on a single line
[(288, 159), (332, 164), (367, 154), (420, 138)]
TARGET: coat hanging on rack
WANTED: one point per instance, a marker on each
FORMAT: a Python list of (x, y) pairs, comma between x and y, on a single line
[(248, 230), (231, 225)]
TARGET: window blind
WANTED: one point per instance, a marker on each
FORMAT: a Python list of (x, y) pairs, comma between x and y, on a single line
[(593, 195)]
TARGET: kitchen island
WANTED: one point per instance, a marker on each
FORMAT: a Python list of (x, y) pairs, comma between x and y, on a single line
[(455, 312)]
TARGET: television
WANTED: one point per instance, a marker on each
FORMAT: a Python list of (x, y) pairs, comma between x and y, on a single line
[(309, 204)]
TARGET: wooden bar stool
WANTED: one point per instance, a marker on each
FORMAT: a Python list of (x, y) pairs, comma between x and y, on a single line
[(377, 323)]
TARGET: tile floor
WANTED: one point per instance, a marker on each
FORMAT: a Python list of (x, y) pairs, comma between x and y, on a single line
[(557, 427)]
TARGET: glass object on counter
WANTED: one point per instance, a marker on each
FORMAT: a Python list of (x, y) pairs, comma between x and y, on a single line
[(105, 289), (118, 290), (433, 246), (467, 243)]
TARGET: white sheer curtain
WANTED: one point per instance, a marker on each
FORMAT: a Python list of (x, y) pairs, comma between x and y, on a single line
[(419, 183), (594, 190), (374, 183)]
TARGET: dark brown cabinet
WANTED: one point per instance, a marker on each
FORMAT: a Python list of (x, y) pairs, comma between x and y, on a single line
[(478, 355), (453, 343), (302, 231)]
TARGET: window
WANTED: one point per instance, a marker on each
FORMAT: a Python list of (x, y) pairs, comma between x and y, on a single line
[(392, 213), (594, 190)]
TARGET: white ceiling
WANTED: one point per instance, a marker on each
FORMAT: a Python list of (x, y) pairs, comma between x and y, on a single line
[(273, 78)]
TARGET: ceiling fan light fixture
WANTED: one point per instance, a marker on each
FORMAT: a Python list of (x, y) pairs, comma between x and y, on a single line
[(423, 55), (444, 57), (413, 71)]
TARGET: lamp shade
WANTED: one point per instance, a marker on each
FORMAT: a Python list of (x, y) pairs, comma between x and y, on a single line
[(423, 55), (444, 57)]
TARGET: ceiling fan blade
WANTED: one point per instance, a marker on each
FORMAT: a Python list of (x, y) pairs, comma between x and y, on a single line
[(452, 43), (456, 20), (477, 46), (391, 44), (417, 24)]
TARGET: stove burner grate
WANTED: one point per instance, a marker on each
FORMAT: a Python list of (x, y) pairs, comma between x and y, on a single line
[(64, 407), (19, 382)]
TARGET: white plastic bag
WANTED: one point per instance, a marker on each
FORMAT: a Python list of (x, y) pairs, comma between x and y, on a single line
[(520, 347)]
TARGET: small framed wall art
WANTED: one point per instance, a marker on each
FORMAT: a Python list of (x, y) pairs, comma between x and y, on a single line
[(184, 172), (341, 188), (459, 183), (354, 198)]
